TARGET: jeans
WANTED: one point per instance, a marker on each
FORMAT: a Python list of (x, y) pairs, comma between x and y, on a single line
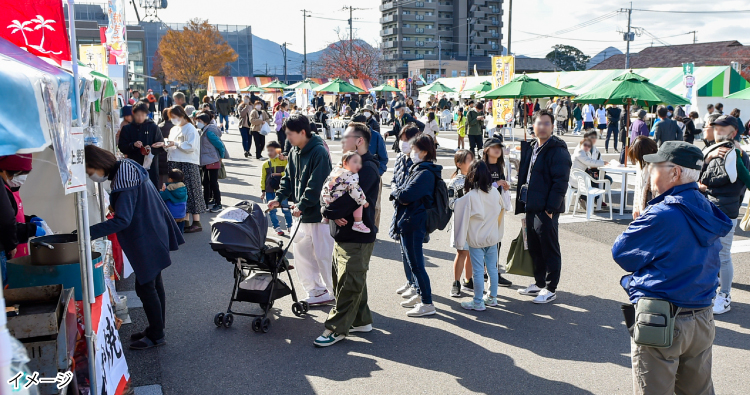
[(579, 125), (287, 213), (407, 269), (611, 129), (249, 137), (544, 248), (154, 305), (224, 118), (481, 258), (726, 272), (281, 138), (351, 261), (211, 186), (245, 133), (411, 242)]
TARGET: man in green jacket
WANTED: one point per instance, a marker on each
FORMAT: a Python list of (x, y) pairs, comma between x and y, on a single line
[(475, 120), (305, 174)]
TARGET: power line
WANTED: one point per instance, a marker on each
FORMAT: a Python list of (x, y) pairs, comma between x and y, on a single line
[(576, 27), (693, 12)]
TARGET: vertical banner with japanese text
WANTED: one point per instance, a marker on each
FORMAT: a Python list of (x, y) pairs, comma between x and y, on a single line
[(76, 167), (503, 68), (115, 33)]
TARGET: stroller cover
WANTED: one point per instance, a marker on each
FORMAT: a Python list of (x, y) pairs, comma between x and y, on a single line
[(240, 231)]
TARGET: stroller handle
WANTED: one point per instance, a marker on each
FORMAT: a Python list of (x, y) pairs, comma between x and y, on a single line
[(281, 205)]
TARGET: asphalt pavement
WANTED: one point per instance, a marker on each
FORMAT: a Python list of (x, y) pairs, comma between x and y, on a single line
[(575, 345)]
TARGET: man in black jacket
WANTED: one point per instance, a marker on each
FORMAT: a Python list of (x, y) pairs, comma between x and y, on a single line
[(402, 119), (351, 256), (139, 138), (543, 181), (222, 107), (165, 101)]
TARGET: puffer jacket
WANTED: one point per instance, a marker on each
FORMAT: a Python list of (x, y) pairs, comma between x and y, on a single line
[(549, 177), (400, 174), (212, 149), (414, 197)]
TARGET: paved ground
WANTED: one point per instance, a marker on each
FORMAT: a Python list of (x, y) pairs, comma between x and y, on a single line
[(577, 345)]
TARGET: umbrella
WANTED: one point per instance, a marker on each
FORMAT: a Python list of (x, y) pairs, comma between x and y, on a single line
[(338, 86), (306, 84), (252, 88), (275, 84), (385, 88), (524, 86), (631, 88), (743, 94), (484, 86), (437, 87)]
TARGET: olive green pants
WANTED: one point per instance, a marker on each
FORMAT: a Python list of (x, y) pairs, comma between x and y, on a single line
[(350, 264)]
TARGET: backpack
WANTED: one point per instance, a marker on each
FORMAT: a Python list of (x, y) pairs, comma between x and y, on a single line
[(272, 182), (439, 214)]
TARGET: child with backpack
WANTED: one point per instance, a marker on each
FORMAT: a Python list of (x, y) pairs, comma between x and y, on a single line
[(479, 223), (174, 194), (463, 160), (270, 180)]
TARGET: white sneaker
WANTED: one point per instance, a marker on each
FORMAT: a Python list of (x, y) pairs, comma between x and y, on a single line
[(322, 298), (413, 301), (722, 304), (531, 290), (328, 338), (421, 310), (403, 288), (362, 329), (409, 293), (545, 296)]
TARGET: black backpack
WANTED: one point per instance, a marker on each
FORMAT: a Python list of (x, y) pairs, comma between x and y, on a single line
[(439, 214), (274, 182)]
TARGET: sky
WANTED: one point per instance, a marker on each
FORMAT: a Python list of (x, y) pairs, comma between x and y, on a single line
[(588, 25)]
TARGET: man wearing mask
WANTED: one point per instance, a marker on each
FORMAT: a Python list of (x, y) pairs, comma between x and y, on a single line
[(666, 129), (164, 101), (223, 108), (402, 119), (258, 116), (141, 137), (543, 177)]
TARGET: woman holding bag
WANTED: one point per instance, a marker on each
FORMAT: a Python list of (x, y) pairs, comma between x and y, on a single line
[(258, 118), (212, 151)]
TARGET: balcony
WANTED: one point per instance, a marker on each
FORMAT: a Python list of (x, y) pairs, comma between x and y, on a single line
[(389, 18), (389, 44), (447, 8), (480, 14), (387, 32), (495, 10), (495, 22), (386, 6)]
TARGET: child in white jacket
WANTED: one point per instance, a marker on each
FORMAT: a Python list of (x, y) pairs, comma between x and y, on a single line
[(479, 222)]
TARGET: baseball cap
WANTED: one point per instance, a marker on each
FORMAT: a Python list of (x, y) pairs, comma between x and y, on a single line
[(495, 140), (670, 108), (678, 152), (726, 120), (398, 105)]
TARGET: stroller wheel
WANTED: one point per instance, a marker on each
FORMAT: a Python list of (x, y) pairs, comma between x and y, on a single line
[(265, 325), (219, 320), (305, 306), (297, 309), (228, 320), (256, 325)]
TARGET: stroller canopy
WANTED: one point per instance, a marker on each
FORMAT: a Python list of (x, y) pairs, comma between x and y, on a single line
[(240, 230)]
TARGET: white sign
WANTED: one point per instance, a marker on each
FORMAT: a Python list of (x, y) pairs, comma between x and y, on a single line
[(115, 33), (76, 164), (111, 367)]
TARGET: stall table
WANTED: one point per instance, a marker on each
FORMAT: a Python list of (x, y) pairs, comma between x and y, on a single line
[(623, 171)]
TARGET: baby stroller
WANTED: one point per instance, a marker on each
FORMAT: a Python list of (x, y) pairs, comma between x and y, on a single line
[(239, 235)]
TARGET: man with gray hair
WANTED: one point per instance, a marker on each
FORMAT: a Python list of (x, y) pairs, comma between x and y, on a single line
[(723, 180), (678, 267)]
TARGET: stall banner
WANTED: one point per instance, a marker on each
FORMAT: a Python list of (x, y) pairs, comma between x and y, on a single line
[(392, 82), (38, 26), (689, 81), (94, 56), (402, 84), (76, 165), (503, 68), (115, 33)]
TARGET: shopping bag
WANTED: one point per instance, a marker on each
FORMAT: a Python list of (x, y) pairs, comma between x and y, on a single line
[(745, 223), (519, 259), (222, 171), (265, 130)]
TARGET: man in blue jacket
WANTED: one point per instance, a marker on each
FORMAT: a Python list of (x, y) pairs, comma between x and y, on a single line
[(681, 267)]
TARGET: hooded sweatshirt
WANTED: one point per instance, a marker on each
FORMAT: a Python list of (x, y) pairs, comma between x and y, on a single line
[(303, 181), (681, 267), (479, 218), (414, 197), (175, 196)]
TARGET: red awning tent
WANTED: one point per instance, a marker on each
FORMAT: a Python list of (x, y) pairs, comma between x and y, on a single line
[(233, 85)]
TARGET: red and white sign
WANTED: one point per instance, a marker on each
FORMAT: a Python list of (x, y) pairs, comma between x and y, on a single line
[(38, 26)]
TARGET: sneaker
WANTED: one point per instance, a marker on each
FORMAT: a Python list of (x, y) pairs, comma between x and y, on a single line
[(247, 154), (360, 227), (409, 293), (260, 157), (322, 298), (421, 310), (193, 229), (328, 338), (456, 289), (403, 288), (531, 290), (545, 296), (471, 305), (502, 281), (722, 304), (361, 329), (279, 231), (490, 301), (468, 285), (411, 302), (216, 208)]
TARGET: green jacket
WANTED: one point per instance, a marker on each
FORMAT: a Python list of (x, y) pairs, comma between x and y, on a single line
[(304, 178), (475, 125)]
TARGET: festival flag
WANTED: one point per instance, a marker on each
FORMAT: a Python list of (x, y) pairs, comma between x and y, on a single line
[(402, 84), (37, 26)]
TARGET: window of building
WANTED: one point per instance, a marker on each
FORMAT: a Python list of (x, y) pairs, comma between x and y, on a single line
[(406, 12), (407, 25), (428, 26), (406, 52)]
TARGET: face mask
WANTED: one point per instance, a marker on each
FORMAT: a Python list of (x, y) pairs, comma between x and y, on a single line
[(247, 100), (257, 107), (405, 147), (175, 121), (17, 181), (414, 155), (669, 113), (97, 178), (367, 114), (200, 125)]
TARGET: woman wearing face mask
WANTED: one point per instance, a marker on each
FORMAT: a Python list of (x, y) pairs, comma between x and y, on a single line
[(212, 152), (244, 110), (140, 217), (414, 197), (258, 117), (184, 153), (15, 227)]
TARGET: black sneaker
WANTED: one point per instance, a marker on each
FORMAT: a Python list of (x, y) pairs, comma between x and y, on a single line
[(503, 282), (468, 285), (456, 289), (247, 154), (216, 208)]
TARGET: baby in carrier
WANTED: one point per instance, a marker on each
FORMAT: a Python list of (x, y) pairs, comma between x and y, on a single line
[(342, 180)]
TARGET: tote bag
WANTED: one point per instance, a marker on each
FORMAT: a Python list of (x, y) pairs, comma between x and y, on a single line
[(519, 259)]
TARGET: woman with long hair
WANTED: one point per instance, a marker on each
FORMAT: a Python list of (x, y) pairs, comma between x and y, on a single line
[(183, 152), (492, 156), (641, 147)]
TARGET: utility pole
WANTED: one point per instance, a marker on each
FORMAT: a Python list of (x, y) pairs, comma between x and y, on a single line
[(694, 39), (468, 45), (510, 19), (351, 52), (283, 49), (628, 38), (304, 41), (440, 56)]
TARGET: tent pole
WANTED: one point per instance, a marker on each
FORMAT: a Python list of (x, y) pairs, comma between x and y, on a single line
[(627, 131)]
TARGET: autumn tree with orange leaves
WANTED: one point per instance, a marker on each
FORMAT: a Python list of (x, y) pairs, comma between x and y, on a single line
[(157, 71), (347, 59), (195, 53)]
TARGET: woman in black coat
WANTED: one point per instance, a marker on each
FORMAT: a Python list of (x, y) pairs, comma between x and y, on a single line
[(140, 137)]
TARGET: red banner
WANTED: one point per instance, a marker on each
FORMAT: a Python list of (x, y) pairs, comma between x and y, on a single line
[(37, 26)]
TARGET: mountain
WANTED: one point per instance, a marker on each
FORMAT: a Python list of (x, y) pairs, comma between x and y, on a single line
[(267, 53), (601, 56)]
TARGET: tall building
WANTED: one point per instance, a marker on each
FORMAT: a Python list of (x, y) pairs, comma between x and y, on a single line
[(462, 30)]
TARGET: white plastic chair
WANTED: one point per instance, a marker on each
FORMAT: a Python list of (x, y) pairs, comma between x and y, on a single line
[(591, 193), (569, 198)]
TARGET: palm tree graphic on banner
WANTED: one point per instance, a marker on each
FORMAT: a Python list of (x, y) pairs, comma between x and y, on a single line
[(41, 24)]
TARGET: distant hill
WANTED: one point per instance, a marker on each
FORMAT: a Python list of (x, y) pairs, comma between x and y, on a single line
[(602, 55), (267, 53)]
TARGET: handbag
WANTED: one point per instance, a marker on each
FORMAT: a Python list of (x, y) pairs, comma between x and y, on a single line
[(745, 223), (265, 129), (222, 171), (519, 259), (214, 166)]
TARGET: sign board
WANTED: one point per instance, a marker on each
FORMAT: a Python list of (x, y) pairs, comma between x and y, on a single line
[(94, 56), (76, 165), (115, 33), (503, 68)]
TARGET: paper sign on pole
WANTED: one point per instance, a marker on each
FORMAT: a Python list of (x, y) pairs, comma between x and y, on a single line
[(503, 68), (689, 81), (94, 56), (76, 165)]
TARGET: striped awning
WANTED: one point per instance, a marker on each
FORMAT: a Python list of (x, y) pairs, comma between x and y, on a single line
[(233, 85)]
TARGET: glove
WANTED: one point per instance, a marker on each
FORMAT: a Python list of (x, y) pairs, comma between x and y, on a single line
[(36, 221), (40, 231)]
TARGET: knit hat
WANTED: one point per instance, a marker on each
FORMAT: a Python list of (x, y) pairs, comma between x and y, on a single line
[(20, 162), (126, 110)]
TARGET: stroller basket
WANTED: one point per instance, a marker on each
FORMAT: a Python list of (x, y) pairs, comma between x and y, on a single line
[(272, 292)]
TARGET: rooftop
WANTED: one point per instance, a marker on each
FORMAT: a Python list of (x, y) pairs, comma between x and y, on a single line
[(720, 53)]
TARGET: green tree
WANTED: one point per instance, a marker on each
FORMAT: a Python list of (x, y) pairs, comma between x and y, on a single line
[(568, 58)]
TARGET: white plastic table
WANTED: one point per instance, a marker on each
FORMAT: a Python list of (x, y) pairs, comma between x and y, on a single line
[(624, 171)]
